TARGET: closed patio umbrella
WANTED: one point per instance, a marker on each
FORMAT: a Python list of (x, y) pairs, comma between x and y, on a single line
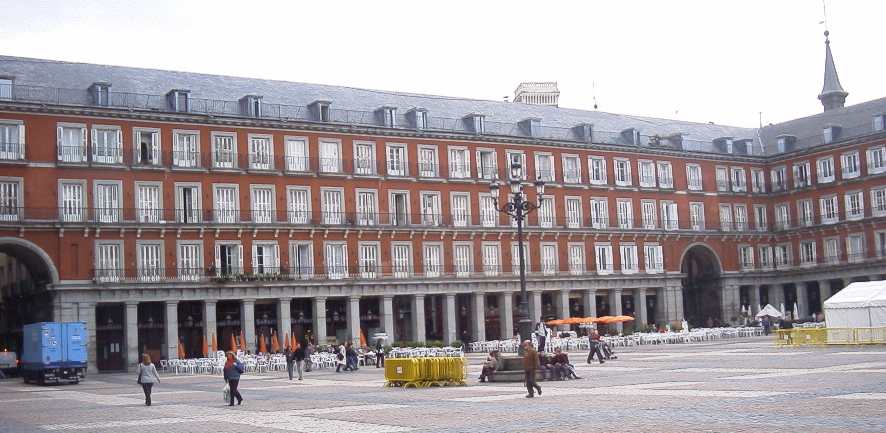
[(214, 346), (294, 343), (205, 347), (262, 347), (275, 342), (181, 350), (287, 341), (233, 346), (242, 340)]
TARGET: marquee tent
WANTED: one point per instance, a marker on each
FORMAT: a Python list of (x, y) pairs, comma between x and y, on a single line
[(859, 305)]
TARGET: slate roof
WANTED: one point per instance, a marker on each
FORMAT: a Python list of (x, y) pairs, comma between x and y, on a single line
[(79, 76)]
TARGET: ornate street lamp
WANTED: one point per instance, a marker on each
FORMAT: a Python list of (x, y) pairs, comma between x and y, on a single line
[(518, 207)]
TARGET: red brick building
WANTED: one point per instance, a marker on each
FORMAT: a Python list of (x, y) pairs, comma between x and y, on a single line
[(164, 207)]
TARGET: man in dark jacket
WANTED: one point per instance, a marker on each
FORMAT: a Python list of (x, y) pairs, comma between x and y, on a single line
[(289, 360), (530, 365), (298, 358), (595, 343)]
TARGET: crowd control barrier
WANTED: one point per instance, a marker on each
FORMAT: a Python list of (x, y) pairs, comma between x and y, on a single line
[(425, 372), (822, 336)]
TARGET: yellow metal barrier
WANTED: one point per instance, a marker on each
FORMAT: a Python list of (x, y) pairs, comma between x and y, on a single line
[(425, 372), (822, 336)]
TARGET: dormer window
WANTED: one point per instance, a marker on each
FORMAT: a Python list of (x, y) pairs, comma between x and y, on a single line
[(531, 126), (387, 116), (5, 87), (179, 100), (476, 123), (583, 132), (631, 136), (831, 133), (724, 144), (421, 119), (879, 119), (785, 143), (320, 110), (251, 105), (101, 93)]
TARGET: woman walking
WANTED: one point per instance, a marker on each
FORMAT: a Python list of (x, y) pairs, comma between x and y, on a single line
[(232, 371), (147, 376)]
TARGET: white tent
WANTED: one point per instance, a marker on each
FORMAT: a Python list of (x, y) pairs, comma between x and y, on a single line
[(770, 311), (859, 305)]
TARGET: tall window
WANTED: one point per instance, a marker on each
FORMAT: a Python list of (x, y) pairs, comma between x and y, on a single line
[(149, 261), (299, 205), (12, 140), (832, 250), (460, 206), (622, 172), (806, 215), (336, 261), (227, 204), (725, 217), (807, 252), (368, 260), (782, 217), (544, 167), (722, 174), (72, 203), (427, 162), (187, 204), (515, 258), (301, 260), (571, 169), (263, 207), (782, 256), (333, 206), (433, 260), (190, 261), (765, 256), (758, 181), (488, 213), (71, 143), (625, 211), (693, 177), (364, 158), (628, 258), (107, 145), (854, 205), (597, 170), (297, 154), (779, 178), (603, 256), (108, 202), (516, 156), (397, 160), (462, 259), (654, 260), (430, 208), (669, 219), (647, 173), (576, 259), (261, 152), (801, 175), (549, 259), (878, 202), (746, 256), (546, 212), (739, 180), (741, 217), (108, 261), (224, 151), (696, 216), (665, 175), (760, 218), (825, 170), (491, 263), (148, 196), (573, 212), (650, 220), (367, 208), (228, 259), (851, 168), (855, 250), (599, 213), (459, 163), (830, 211), (330, 156), (487, 167), (265, 258), (876, 160), (10, 200), (185, 149)]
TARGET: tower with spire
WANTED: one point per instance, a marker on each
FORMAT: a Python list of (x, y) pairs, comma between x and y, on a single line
[(832, 95)]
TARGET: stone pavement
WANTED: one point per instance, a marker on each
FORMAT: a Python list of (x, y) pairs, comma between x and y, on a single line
[(737, 385)]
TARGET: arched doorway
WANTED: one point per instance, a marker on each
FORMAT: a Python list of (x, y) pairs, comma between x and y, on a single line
[(701, 286), (26, 272)]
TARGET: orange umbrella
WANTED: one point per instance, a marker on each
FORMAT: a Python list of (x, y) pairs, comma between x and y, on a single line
[(181, 350), (205, 348), (619, 319), (242, 340), (605, 319), (233, 346), (362, 339), (555, 322), (294, 344), (287, 341), (262, 347), (214, 346), (275, 343)]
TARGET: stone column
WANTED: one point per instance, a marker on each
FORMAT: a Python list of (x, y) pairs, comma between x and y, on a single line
[(679, 314), (640, 304), (284, 320), (534, 307), (449, 325), (86, 314), (563, 304), (506, 314), (729, 303), (824, 291), (776, 296), (615, 307), (353, 319), (386, 310), (171, 326), (320, 320), (663, 295), (589, 300), (130, 318), (479, 316), (210, 328), (418, 318), (754, 299), (802, 300), (247, 323)]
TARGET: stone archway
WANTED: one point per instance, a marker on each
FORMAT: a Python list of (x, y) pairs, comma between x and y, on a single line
[(701, 285), (24, 296)]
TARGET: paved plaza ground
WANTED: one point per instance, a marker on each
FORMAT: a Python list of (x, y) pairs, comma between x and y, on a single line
[(736, 385)]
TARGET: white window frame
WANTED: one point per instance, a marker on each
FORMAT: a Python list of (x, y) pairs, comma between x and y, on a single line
[(758, 181), (739, 179), (263, 216), (489, 216), (401, 168), (779, 178), (805, 215), (627, 253), (155, 153), (549, 265), (829, 216), (107, 214), (11, 205), (665, 172), (364, 216), (525, 171), (783, 256), (301, 271), (491, 269), (723, 178), (459, 171), (760, 218), (856, 256), (515, 258), (329, 217), (624, 209), (463, 264), (876, 159), (878, 204), (746, 257), (650, 219), (195, 271), (327, 164), (108, 155), (185, 157), (12, 146), (672, 211), (149, 273), (431, 217), (335, 271), (653, 266), (236, 268), (831, 250), (394, 218), (576, 257), (599, 220), (826, 169), (196, 214), (460, 218), (571, 176), (573, 212), (103, 272), (69, 152), (766, 259), (297, 163), (369, 261), (546, 213), (365, 165), (222, 158), (600, 178), (694, 181), (741, 217), (154, 214), (433, 267), (603, 250), (220, 215), (82, 211), (646, 172), (548, 177), (846, 169), (625, 163), (483, 172), (807, 252), (696, 216), (294, 215), (802, 174), (264, 269), (854, 213), (426, 169)]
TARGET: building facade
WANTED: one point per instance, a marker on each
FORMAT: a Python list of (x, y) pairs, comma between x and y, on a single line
[(163, 216)]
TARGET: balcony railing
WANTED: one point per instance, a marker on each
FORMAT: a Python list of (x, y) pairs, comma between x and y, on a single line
[(12, 151)]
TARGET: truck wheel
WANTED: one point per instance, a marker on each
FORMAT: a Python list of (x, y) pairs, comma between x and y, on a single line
[(41, 381)]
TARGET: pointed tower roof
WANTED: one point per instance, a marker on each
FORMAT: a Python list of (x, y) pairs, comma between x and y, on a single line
[(832, 94)]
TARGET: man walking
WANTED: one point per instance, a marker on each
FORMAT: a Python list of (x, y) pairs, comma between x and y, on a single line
[(379, 353), (541, 333), (595, 343), (289, 360), (530, 365), (299, 358)]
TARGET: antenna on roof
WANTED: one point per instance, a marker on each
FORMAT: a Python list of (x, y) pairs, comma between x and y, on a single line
[(824, 12), (594, 92)]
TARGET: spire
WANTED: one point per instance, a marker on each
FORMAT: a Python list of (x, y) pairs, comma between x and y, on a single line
[(832, 94)]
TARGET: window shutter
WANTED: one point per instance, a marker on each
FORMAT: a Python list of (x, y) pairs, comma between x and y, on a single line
[(94, 141), (277, 257), (21, 140), (119, 154), (217, 257), (254, 253), (59, 141), (240, 258), (83, 143)]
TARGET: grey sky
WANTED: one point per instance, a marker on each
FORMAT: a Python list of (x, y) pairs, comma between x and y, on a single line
[(691, 60)]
